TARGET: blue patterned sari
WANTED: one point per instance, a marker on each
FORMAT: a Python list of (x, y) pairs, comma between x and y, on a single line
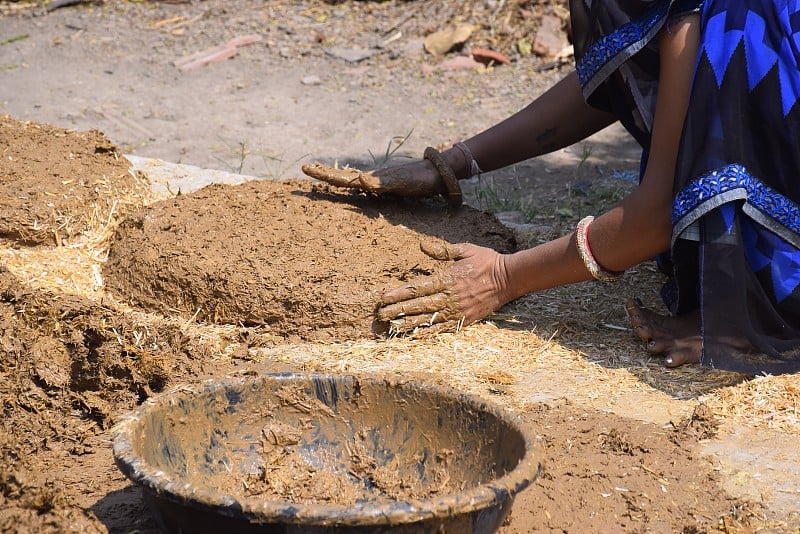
[(735, 253)]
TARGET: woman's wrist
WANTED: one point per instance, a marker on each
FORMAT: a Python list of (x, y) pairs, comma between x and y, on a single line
[(551, 264), (458, 162), (514, 270)]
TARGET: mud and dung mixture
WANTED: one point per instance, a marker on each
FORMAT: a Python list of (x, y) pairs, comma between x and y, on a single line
[(71, 365), (287, 475), (622, 447), (300, 259), (42, 200), (291, 478), (368, 441)]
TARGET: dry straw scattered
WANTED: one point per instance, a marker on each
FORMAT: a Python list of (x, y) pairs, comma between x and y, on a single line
[(59, 185), (569, 343)]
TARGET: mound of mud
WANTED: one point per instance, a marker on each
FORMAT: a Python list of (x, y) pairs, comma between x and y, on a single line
[(56, 184), (67, 365), (299, 257)]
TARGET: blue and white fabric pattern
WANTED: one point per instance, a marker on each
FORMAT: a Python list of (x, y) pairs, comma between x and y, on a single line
[(735, 254)]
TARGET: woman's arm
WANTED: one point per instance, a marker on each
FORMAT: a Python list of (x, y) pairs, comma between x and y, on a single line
[(639, 227), (558, 118), (634, 230)]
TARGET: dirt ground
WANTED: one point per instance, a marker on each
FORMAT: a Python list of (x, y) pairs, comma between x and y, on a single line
[(99, 315)]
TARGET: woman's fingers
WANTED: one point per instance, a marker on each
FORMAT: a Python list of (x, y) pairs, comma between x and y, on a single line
[(442, 251), (416, 179), (347, 177), (421, 288), (424, 303), (427, 320), (439, 303)]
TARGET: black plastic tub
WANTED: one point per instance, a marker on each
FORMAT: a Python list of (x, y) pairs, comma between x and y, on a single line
[(429, 459)]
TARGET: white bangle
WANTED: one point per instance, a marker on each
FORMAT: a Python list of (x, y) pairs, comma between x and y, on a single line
[(585, 252)]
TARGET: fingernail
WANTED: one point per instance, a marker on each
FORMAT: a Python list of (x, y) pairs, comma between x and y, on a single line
[(668, 360), (651, 344)]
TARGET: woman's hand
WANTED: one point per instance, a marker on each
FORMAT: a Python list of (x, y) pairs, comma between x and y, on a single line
[(417, 179), (476, 285)]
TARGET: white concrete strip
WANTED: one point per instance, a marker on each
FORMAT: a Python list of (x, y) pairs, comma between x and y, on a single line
[(168, 179)]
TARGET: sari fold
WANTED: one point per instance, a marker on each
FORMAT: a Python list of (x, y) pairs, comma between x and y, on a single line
[(735, 252)]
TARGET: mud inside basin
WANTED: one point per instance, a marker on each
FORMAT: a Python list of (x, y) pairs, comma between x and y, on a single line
[(325, 453)]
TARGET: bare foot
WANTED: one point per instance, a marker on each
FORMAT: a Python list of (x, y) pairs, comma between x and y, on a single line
[(677, 338)]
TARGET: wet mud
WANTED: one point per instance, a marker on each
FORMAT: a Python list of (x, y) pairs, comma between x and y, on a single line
[(85, 180), (329, 450), (71, 367), (302, 259)]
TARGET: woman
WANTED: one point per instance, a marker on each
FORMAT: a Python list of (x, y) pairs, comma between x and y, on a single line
[(709, 89)]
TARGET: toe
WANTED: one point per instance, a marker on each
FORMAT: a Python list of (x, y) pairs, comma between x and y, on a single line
[(682, 356), (632, 309), (658, 345), (644, 332), (639, 323)]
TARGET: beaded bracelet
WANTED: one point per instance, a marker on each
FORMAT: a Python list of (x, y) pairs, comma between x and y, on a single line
[(594, 268)]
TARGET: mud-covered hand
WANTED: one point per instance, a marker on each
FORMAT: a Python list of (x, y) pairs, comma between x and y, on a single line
[(416, 179), (475, 286)]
